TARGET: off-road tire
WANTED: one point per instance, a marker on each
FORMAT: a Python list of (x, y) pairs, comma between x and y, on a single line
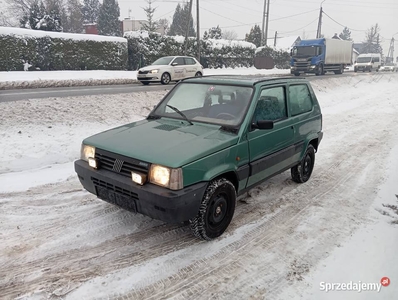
[(302, 172), (166, 78), (210, 222)]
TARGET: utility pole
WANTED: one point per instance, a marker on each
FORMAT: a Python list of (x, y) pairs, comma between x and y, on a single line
[(319, 31), (188, 23), (266, 25), (197, 29), (263, 26), (276, 36), (390, 55)]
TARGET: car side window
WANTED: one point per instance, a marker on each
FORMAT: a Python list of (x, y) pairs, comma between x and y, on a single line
[(271, 105), (300, 99), (189, 61), (179, 60)]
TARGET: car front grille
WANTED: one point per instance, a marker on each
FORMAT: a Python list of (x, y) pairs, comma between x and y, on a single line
[(143, 72), (114, 188), (120, 164)]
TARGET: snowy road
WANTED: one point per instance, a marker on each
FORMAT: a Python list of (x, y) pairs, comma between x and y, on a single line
[(65, 85), (57, 241)]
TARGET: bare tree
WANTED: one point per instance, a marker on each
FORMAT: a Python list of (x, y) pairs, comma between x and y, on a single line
[(163, 25), (19, 8), (5, 20), (372, 40), (229, 35)]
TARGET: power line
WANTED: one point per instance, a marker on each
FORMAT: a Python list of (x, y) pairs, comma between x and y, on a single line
[(301, 27), (207, 1), (221, 16), (303, 13), (341, 24)]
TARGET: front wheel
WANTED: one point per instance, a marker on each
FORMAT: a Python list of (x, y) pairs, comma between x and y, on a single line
[(216, 210), (145, 82), (302, 172), (165, 79), (320, 71)]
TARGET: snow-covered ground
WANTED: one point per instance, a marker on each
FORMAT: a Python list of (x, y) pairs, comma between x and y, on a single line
[(21, 79), (58, 241)]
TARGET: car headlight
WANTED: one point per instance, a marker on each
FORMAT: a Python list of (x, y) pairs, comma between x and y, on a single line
[(154, 71), (166, 177), (87, 152)]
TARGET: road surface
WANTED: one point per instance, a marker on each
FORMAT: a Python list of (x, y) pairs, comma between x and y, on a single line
[(24, 94)]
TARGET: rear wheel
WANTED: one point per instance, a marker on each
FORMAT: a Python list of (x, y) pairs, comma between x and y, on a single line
[(145, 82), (296, 74), (216, 210), (302, 172), (198, 74), (340, 71)]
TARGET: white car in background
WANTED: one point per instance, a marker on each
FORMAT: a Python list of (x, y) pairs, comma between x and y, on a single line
[(389, 67), (170, 68)]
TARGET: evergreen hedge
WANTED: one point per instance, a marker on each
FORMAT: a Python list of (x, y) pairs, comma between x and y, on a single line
[(145, 49), (58, 51)]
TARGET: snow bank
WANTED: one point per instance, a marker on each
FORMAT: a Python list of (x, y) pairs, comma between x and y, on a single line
[(29, 33), (220, 43), (17, 79)]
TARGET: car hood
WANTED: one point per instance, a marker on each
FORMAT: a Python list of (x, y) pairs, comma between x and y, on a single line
[(150, 68), (167, 142)]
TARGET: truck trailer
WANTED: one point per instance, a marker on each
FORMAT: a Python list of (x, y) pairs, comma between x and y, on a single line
[(321, 55)]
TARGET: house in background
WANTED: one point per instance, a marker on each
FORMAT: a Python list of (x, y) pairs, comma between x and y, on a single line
[(137, 25), (284, 43), (90, 28)]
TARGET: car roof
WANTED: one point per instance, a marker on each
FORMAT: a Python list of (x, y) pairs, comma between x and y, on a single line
[(174, 56), (242, 80)]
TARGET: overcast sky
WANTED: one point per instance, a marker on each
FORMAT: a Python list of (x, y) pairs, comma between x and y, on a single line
[(287, 17)]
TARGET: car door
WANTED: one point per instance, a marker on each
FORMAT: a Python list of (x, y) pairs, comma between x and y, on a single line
[(271, 150), (178, 66), (191, 68), (302, 114)]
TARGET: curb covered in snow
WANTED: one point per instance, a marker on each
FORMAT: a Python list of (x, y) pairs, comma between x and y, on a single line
[(7, 85)]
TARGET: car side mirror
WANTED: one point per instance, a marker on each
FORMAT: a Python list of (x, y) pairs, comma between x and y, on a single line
[(263, 124), (174, 64)]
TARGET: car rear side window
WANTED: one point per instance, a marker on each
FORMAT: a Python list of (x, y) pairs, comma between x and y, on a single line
[(271, 104), (180, 61), (189, 61), (299, 99)]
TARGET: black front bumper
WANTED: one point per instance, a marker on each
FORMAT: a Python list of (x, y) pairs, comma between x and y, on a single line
[(150, 200)]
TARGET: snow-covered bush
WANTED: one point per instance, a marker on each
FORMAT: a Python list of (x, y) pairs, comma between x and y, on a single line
[(60, 51), (145, 48), (281, 58)]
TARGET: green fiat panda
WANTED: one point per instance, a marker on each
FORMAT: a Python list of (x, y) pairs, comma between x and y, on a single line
[(209, 140)]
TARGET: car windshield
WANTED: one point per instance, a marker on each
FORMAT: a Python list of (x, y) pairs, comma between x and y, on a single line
[(364, 59), (163, 61), (223, 105)]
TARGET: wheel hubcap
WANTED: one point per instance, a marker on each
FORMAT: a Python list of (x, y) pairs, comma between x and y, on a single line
[(307, 165), (166, 78), (218, 210)]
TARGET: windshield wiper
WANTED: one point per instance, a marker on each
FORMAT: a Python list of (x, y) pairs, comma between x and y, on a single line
[(180, 113)]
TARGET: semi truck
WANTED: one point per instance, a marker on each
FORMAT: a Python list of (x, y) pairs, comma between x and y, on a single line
[(320, 56)]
